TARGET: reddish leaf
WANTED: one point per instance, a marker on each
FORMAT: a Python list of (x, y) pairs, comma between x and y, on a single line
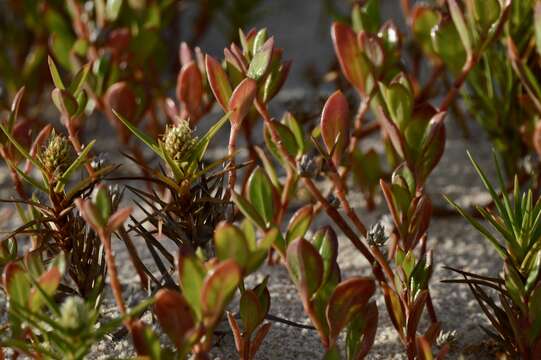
[(241, 101), (370, 45), (48, 282), (394, 308), (190, 90), (414, 316), (251, 311), (392, 131), (349, 55), (119, 40), (299, 223), (218, 81), (217, 289), (174, 315), (16, 283), (185, 54), (234, 325), (347, 301), (118, 218), (232, 59), (432, 148), (306, 268), (121, 98), (42, 136), (89, 213), (259, 337), (371, 324), (335, 125)]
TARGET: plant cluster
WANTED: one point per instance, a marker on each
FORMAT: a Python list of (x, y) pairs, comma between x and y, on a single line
[(196, 226)]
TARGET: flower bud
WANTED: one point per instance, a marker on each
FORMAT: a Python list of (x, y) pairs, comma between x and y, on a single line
[(178, 140), (57, 154), (74, 313)]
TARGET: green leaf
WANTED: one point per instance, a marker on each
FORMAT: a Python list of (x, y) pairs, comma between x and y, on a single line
[(486, 13), (231, 243), (81, 159), (102, 201), (141, 135), (399, 103), (259, 40), (261, 60), (55, 75), (296, 129), (361, 332), (286, 136), (217, 290), (64, 102), (192, 274), (333, 354), (448, 45), (112, 9), (248, 210), (35, 183), (78, 81), (261, 194), (21, 149), (16, 283), (326, 244), (269, 167), (424, 19), (460, 24), (305, 267), (251, 311), (299, 223)]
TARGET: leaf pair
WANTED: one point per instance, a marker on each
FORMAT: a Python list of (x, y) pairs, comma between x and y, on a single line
[(241, 246), (331, 305), (418, 139)]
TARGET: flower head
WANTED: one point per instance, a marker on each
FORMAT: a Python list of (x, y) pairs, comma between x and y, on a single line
[(178, 140), (57, 154)]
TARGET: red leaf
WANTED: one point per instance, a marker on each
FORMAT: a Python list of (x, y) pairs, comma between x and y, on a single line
[(335, 125), (190, 90), (349, 54), (120, 97), (347, 300), (241, 100), (218, 81), (174, 315)]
